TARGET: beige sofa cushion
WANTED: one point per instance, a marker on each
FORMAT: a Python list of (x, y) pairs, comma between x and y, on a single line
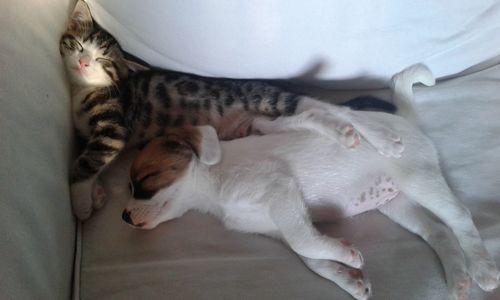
[(37, 230)]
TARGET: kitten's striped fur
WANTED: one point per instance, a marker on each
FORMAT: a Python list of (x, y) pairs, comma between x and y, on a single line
[(114, 106)]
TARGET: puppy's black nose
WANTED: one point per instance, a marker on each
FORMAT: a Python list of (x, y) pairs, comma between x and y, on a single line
[(126, 217)]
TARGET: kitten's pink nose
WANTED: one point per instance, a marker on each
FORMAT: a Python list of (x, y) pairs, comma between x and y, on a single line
[(84, 61)]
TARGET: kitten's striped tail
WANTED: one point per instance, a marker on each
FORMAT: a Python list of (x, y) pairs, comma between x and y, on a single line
[(402, 87)]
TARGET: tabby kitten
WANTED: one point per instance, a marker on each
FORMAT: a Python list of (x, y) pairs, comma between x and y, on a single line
[(117, 103)]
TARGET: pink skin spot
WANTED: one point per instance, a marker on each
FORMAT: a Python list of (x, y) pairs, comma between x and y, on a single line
[(346, 243), (356, 274), (356, 143), (100, 192)]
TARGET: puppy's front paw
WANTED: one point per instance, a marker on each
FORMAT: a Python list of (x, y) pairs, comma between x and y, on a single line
[(354, 256), (355, 283), (81, 199)]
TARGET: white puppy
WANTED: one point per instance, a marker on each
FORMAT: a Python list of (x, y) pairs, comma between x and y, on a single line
[(299, 175)]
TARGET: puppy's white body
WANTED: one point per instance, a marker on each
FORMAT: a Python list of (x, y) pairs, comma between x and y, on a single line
[(270, 184), (331, 177)]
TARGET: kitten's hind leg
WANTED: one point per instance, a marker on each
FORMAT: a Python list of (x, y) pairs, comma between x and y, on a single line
[(417, 220), (385, 140)]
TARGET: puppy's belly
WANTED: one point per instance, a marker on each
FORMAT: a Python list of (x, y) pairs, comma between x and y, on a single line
[(353, 199)]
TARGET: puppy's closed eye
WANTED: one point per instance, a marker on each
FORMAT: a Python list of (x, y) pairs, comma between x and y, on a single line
[(142, 194)]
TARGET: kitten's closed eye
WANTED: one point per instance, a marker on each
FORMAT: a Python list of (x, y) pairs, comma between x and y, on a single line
[(105, 62), (70, 43)]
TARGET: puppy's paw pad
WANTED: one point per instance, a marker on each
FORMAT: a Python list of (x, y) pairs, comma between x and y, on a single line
[(349, 137), (363, 290), (356, 259)]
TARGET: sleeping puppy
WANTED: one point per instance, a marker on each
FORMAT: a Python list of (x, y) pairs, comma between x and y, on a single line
[(299, 175)]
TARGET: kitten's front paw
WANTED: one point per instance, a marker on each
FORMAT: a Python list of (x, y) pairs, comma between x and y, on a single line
[(81, 199), (98, 195)]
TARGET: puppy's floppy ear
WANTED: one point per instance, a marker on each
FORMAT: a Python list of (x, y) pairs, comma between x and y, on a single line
[(201, 140), (209, 151), (81, 21)]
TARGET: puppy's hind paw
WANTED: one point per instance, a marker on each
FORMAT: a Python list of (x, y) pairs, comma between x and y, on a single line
[(487, 281), (486, 275), (460, 287)]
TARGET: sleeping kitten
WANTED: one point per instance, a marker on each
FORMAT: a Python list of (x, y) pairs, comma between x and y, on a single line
[(114, 106)]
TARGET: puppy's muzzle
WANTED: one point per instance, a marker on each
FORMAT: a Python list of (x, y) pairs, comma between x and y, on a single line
[(127, 218)]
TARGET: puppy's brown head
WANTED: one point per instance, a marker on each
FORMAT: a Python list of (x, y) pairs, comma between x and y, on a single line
[(162, 163)]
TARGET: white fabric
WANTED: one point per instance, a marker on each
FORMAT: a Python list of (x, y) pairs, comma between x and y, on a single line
[(283, 38), (195, 258)]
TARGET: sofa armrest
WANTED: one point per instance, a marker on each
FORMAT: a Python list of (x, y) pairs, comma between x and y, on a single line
[(37, 229)]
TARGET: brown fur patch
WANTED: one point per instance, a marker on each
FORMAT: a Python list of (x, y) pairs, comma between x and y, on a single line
[(234, 124), (164, 160)]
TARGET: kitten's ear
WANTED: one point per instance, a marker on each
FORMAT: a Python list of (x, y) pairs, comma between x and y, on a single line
[(135, 64), (81, 21)]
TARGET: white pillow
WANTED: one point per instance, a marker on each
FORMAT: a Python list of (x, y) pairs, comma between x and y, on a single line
[(285, 38)]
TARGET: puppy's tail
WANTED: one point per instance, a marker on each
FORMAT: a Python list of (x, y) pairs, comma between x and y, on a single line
[(402, 88)]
